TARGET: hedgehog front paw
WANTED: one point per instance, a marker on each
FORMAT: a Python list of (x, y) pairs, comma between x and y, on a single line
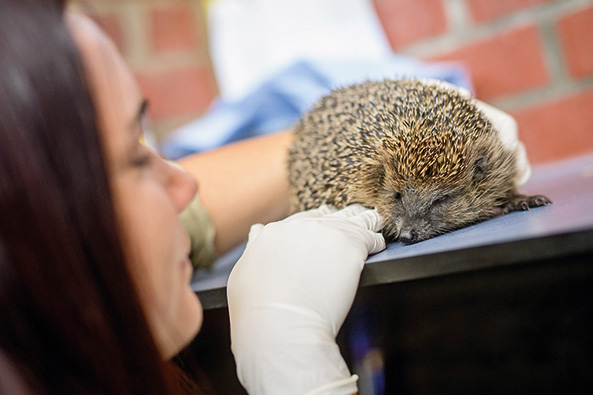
[(524, 202)]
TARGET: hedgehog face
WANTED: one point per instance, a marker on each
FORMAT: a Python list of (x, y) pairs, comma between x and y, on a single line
[(416, 211), (418, 214)]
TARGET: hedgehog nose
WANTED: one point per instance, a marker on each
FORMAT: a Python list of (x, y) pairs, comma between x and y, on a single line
[(408, 236)]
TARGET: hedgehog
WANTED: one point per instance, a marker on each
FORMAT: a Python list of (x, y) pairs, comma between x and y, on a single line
[(424, 153)]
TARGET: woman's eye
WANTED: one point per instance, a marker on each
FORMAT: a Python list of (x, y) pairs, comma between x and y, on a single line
[(143, 157), (142, 160)]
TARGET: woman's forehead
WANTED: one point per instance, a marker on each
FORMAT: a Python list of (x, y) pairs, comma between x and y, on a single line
[(101, 58), (113, 87)]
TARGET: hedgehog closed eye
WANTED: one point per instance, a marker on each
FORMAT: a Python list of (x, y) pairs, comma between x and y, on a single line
[(441, 200)]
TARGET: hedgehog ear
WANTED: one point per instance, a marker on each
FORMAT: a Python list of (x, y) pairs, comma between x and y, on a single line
[(378, 170), (373, 177), (479, 168)]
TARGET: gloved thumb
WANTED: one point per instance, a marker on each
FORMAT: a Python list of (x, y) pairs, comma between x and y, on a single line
[(321, 211), (253, 233), (371, 222)]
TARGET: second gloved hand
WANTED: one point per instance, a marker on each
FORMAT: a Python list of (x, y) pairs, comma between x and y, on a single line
[(289, 295)]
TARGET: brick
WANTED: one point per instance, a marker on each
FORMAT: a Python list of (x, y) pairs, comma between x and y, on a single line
[(173, 29), (409, 21), (558, 129), (576, 37), (180, 92), (487, 10), (506, 64), (112, 26)]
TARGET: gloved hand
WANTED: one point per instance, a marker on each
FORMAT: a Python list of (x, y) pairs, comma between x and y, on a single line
[(507, 129), (289, 294)]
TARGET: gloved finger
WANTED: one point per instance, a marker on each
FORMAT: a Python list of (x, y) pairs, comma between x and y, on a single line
[(253, 233), (321, 211), (376, 242), (368, 219), (347, 212)]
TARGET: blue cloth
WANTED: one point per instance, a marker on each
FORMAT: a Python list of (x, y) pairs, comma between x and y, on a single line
[(278, 102)]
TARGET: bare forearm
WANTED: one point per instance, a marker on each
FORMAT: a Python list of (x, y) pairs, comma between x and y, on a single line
[(241, 184)]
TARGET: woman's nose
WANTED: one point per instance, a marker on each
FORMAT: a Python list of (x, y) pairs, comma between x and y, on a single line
[(182, 187)]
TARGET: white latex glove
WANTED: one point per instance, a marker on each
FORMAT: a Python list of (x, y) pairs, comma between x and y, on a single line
[(504, 125), (507, 130), (289, 294)]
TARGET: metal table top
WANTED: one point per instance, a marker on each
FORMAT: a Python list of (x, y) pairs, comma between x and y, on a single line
[(560, 229)]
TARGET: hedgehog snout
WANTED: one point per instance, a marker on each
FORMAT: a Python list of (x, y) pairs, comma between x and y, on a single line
[(413, 229), (408, 236)]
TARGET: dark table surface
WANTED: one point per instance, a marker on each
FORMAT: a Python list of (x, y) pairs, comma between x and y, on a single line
[(560, 229)]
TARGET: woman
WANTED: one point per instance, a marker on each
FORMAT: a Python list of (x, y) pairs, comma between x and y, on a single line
[(94, 274), (65, 277)]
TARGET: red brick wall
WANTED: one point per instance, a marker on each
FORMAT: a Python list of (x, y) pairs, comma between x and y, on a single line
[(165, 44), (533, 58)]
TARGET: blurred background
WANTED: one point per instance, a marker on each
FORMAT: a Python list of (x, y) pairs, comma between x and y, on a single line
[(532, 58)]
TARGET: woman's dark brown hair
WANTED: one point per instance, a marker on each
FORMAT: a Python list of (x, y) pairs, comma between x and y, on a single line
[(70, 320)]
